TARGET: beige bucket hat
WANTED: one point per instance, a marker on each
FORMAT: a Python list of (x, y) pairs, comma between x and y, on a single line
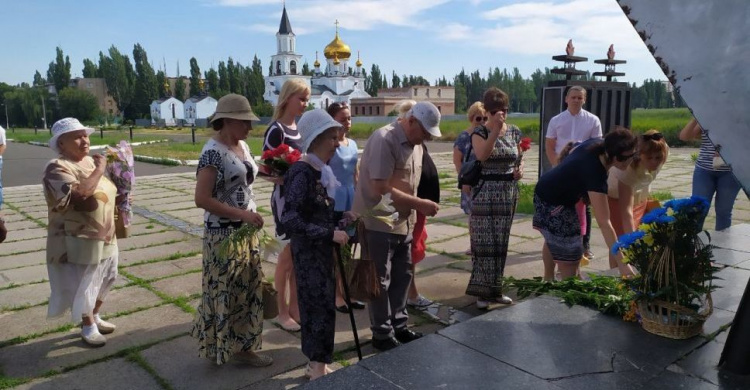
[(234, 106)]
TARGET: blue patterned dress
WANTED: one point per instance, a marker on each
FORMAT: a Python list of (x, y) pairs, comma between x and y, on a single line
[(308, 220), (463, 143), (492, 210)]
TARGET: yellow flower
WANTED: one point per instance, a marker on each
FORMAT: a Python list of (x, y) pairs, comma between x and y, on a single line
[(645, 227), (648, 239), (670, 212)]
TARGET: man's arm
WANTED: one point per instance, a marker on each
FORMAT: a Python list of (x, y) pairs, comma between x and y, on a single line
[(404, 200), (2, 149), (549, 147)]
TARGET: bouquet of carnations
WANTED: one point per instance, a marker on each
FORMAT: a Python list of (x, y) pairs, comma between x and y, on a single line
[(121, 170), (275, 162), (524, 145)]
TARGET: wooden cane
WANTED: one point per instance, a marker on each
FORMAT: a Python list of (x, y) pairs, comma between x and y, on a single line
[(337, 254)]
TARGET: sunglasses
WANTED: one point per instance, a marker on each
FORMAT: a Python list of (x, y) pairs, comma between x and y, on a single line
[(480, 119), (504, 109), (653, 137), (625, 157)]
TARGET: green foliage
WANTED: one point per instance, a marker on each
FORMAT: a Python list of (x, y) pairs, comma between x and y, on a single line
[(146, 89), (120, 77), (668, 121), (90, 70), (78, 103), (195, 78), (59, 73), (661, 195), (179, 89), (525, 198), (604, 293)]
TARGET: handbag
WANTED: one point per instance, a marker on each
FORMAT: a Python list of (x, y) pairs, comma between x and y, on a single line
[(270, 304), (471, 171), (364, 283)]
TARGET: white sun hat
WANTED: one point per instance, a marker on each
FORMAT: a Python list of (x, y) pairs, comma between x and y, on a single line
[(66, 125), (314, 123)]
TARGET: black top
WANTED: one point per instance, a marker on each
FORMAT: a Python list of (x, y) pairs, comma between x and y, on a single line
[(429, 181), (308, 211), (580, 172), (277, 134)]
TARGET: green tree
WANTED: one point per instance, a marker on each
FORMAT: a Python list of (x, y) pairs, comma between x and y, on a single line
[(60, 71), (39, 81), (195, 78), (179, 89), (145, 88), (395, 81), (90, 70), (212, 79), (374, 81), (223, 79), (78, 104), (162, 85), (306, 70), (120, 77), (255, 82)]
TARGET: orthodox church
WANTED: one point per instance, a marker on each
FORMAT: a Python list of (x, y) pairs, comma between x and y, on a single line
[(338, 82)]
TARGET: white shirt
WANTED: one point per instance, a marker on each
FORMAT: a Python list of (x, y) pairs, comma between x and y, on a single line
[(566, 127), (2, 138)]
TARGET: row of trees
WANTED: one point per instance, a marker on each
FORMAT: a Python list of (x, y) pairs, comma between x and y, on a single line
[(134, 84)]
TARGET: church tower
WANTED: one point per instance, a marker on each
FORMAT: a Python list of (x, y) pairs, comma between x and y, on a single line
[(286, 63)]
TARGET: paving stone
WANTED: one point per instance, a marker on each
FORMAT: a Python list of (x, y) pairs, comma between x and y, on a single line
[(39, 215), (59, 350), (456, 245), (449, 364), (730, 257), (25, 224), (440, 231), (24, 260), (31, 294), (733, 282), (194, 216), (23, 275), (151, 239), (671, 380), (147, 228), (161, 251), (113, 374), (433, 260), (193, 372), (718, 319), (128, 299), (545, 324), (166, 268), (353, 377), (176, 204), (24, 234), (725, 239), (629, 380), (178, 286), (36, 244), (445, 285)]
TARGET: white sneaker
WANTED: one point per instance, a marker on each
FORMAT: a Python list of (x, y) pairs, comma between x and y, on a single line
[(482, 305), (504, 299), (420, 302), (95, 339), (105, 327)]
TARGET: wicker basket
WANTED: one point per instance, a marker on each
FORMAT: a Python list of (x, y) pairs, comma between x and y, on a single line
[(673, 321)]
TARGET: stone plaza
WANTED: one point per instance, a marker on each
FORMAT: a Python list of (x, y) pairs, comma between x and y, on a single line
[(154, 302)]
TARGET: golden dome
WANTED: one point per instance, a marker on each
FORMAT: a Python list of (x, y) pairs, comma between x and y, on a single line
[(359, 62), (316, 63), (336, 59), (337, 47)]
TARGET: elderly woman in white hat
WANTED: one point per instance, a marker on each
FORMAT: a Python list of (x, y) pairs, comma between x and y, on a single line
[(309, 190), (81, 244), (230, 314)]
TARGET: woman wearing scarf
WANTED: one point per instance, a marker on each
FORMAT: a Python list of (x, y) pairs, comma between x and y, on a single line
[(309, 191)]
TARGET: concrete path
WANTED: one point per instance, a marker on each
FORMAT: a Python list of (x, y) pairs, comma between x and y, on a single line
[(160, 282)]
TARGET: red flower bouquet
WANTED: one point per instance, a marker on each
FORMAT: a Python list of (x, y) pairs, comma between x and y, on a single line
[(524, 145), (275, 162)]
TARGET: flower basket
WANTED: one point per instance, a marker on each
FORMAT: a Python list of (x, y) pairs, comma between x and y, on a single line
[(673, 321)]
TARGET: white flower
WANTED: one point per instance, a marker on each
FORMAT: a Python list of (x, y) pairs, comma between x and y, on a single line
[(385, 204)]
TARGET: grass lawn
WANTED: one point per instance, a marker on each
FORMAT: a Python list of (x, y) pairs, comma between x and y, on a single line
[(187, 151), (111, 137)]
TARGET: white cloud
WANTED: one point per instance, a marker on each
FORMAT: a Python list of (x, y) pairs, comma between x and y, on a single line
[(455, 32)]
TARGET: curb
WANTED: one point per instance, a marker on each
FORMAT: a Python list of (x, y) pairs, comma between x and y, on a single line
[(98, 147)]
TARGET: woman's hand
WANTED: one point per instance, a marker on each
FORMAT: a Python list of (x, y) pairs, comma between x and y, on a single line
[(518, 172), (100, 162), (466, 189), (340, 237), (253, 218), (348, 218)]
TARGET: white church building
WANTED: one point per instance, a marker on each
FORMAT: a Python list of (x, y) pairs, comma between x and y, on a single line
[(338, 82), (167, 109)]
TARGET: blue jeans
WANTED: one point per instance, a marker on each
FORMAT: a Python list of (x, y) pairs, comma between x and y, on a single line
[(722, 183)]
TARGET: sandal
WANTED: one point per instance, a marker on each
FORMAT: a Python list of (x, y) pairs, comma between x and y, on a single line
[(290, 325), (253, 359)]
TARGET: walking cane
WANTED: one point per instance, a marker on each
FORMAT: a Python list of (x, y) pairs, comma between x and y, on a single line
[(337, 253)]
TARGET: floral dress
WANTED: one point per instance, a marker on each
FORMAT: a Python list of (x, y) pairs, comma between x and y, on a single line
[(492, 210), (230, 314), (308, 219)]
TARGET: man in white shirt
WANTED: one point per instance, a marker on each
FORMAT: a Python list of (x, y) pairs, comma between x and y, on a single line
[(3, 142), (572, 125)]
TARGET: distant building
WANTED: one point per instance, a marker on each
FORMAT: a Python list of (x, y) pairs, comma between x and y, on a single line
[(337, 83), (168, 110), (98, 88), (199, 107), (384, 103)]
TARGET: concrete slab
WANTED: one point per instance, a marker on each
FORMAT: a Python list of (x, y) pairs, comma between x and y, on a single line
[(30, 294), (176, 204), (730, 257), (19, 276), (440, 231), (353, 377), (178, 286), (24, 260), (131, 243), (192, 372), (36, 244), (155, 252), (24, 234), (166, 268), (59, 350), (733, 282), (113, 374), (445, 285), (450, 365), (433, 260), (544, 324)]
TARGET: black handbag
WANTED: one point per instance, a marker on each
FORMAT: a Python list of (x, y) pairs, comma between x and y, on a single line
[(471, 171)]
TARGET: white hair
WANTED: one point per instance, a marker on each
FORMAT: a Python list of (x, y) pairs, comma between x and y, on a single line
[(403, 107)]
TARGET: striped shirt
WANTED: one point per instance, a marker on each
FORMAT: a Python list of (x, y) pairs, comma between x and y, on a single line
[(707, 153)]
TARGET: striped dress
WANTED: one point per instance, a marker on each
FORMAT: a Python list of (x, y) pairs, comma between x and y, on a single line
[(492, 211)]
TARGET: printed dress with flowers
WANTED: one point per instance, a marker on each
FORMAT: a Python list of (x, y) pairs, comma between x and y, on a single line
[(492, 210), (308, 219), (463, 144), (230, 314)]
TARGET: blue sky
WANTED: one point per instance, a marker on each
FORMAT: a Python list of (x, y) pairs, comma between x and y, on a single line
[(430, 38)]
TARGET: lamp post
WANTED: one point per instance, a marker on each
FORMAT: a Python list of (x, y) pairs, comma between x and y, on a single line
[(44, 112)]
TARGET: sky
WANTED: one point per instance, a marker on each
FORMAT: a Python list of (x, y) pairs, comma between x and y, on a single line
[(431, 38)]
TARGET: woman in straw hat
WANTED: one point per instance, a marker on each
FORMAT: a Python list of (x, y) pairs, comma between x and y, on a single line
[(81, 244), (230, 314), (293, 99), (309, 191)]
